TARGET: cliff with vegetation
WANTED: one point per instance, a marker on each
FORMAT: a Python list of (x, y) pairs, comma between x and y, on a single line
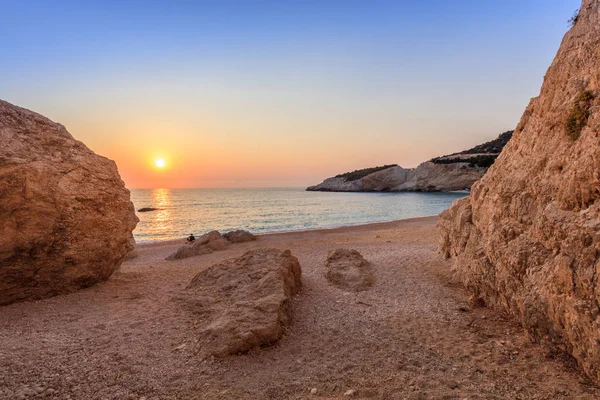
[(456, 171), (527, 239)]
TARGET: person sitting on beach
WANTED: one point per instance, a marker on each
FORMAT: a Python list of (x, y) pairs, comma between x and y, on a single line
[(190, 238)]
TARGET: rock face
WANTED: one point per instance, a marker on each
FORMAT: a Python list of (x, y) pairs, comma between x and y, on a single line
[(528, 238), (65, 215), (456, 171), (239, 236), (427, 177), (348, 270), (205, 244), (244, 302)]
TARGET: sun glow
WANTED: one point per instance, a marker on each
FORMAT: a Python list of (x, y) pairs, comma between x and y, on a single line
[(160, 163)]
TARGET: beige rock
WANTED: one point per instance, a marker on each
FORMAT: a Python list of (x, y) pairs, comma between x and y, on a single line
[(133, 253), (65, 215), (239, 236), (205, 244), (348, 270), (527, 239), (244, 302)]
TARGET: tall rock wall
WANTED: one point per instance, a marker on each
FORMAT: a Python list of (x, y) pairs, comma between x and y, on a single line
[(65, 215), (527, 239)]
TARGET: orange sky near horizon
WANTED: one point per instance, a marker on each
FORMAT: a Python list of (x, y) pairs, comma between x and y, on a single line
[(225, 154), (276, 94)]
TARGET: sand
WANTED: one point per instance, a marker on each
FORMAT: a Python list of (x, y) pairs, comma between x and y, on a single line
[(413, 335)]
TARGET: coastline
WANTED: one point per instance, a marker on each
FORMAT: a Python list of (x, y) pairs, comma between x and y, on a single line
[(359, 226)]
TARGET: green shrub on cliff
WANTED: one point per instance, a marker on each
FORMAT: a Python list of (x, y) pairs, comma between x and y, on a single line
[(579, 114), (360, 173)]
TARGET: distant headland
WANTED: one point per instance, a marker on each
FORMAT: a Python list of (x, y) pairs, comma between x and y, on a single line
[(451, 172)]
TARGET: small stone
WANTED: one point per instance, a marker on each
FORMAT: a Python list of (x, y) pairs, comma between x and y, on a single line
[(50, 391), (39, 389), (313, 391), (350, 392)]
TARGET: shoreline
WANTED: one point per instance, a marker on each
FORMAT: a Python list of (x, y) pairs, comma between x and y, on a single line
[(368, 225), (411, 335)]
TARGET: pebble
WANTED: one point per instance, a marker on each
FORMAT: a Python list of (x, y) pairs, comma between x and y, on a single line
[(313, 391), (350, 392)]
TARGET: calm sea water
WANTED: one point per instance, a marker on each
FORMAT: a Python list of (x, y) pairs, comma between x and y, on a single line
[(185, 211)]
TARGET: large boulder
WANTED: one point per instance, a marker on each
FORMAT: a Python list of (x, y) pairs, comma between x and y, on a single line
[(244, 302), (528, 238), (348, 270), (239, 236), (65, 215), (205, 244)]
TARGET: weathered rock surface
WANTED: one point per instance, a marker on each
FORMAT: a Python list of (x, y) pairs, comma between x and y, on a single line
[(65, 215), (239, 236), (348, 270), (244, 302), (133, 253), (205, 244), (528, 237)]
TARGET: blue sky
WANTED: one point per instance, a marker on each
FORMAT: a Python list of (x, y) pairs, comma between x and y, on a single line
[(277, 92)]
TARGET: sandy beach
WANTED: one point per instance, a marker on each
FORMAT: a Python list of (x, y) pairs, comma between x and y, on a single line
[(413, 335)]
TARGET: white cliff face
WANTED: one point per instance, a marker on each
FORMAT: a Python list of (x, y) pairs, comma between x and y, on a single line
[(428, 177)]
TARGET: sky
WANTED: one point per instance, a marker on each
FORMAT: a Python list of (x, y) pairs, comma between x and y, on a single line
[(276, 93)]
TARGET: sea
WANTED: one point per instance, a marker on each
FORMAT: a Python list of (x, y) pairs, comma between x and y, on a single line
[(182, 212)]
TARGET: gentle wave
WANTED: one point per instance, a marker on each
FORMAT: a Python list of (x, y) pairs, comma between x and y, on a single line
[(197, 211)]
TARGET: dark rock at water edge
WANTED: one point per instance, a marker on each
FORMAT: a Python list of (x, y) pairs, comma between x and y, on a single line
[(148, 209)]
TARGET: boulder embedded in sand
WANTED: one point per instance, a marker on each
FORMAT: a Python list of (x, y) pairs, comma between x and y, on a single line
[(65, 215), (527, 239), (348, 270), (205, 244), (239, 236), (244, 302)]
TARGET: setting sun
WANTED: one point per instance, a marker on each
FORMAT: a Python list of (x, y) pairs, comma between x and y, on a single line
[(160, 163)]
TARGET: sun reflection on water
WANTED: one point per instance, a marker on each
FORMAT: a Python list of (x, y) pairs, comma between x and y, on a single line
[(161, 220)]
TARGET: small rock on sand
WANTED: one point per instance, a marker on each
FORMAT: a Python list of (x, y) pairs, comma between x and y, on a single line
[(348, 270), (205, 244), (239, 236)]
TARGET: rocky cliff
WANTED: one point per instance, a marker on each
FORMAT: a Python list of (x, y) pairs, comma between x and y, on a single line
[(65, 215), (456, 171), (527, 239)]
